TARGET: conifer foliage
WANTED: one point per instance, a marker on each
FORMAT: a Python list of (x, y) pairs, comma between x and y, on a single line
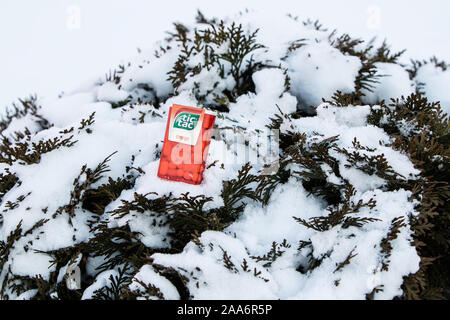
[(360, 195)]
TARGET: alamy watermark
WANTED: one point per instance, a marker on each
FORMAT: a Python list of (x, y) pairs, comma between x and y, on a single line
[(234, 146), (73, 277), (73, 19), (374, 17)]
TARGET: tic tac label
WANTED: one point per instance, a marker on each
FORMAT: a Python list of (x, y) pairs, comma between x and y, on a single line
[(185, 124)]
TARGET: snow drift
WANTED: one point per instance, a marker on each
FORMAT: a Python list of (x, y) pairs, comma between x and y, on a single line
[(79, 184)]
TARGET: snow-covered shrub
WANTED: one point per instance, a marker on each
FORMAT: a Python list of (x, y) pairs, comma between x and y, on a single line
[(358, 208), (430, 77)]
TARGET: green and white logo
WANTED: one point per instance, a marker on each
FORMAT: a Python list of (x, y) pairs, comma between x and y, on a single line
[(186, 121)]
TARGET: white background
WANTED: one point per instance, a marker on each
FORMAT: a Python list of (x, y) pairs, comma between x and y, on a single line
[(48, 46)]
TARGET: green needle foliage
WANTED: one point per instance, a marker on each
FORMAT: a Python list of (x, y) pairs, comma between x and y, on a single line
[(418, 128), (229, 49), (421, 129)]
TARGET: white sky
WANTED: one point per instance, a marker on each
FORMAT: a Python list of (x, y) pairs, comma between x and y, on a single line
[(43, 51)]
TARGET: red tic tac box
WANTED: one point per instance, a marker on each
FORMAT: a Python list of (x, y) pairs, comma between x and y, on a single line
[(186, 144)]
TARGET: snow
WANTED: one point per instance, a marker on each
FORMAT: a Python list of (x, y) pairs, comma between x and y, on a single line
[(110, 93), (102, 280), (149, 235), (349, 117), (357, 277), (318, 70), (255, 109), (349, 123), (233, 284), (324, 242), (292, 200), (92, 264), (32, 264), (361, 180), (109, 137), (287, 201), (436, 82), (18, 124), (393, 82), (63, 54), (215, 264), (74, 108), (149, 72), (148, 276), (27, 295)]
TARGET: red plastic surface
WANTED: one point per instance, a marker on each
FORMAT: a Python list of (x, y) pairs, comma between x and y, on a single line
[(192, 158)]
